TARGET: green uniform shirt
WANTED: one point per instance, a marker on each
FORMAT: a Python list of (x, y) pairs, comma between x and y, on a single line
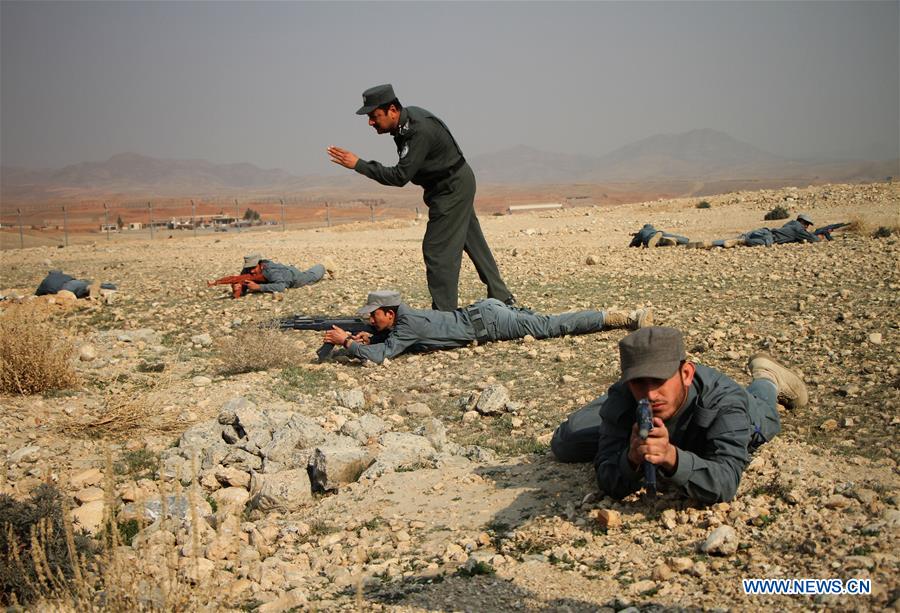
[(426, 148)]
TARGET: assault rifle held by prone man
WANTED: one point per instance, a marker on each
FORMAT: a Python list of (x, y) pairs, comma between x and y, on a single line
[(825, 231), (645, 425), (238, 283), (353, 325)]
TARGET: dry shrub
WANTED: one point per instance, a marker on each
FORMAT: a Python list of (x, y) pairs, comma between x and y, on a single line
[(874, 228), (254, 349), (68, 573), (35, 356), (131, 403)]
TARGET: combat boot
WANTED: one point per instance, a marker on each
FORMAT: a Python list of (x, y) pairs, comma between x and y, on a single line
[(653, 240), (792, 391), (94, 291), (639, 318), (667, 242)]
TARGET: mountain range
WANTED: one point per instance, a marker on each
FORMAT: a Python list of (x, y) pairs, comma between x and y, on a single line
[(697, 155)]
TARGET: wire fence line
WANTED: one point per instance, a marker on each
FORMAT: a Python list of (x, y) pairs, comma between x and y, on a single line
[(28, 225)]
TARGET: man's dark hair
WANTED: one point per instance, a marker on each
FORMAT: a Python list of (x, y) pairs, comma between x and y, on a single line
[(386, 106), (389, 309)]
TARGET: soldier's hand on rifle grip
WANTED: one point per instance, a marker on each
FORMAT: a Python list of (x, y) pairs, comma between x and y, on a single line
[(656, 449), (362, 337), (253, 286), (336, 336)]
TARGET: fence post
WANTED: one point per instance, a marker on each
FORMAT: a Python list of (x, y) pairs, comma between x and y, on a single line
[(372, 211), (237, 215), (150, 213), (106, 219), (327, 215), (283, 227), (193, 217), (21, 236), (66, 225)]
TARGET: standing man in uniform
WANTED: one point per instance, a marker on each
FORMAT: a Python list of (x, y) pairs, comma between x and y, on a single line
[(431, 158)]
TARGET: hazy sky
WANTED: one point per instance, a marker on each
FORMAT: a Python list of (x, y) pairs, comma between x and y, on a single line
[(274, 83)]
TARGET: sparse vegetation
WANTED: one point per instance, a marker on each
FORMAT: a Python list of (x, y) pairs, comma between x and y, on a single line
[(251, 215), (35, 356), (882, 232), (140, 463), (256, 349), (779, 212), (704, 204), (37, 544)]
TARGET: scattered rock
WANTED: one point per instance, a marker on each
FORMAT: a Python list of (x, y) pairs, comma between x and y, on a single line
[(723, 541), (492, 400)]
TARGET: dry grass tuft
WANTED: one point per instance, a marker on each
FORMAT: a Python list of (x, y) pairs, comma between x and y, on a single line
[(131, 403), (35, 356), (255, 349)]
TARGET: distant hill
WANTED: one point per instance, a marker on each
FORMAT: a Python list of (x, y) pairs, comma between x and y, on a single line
[(702, 155), (697, 155)]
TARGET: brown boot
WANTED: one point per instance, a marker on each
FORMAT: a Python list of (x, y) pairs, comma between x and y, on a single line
[(792, 391), (653, 240), (667, 242), (640, 318), (94, 291), (733, 242)]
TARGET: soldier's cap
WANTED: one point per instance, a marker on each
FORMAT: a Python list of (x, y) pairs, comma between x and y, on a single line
[(804, 218), (654, 352), (381, 298), (251, 260), (375, 97)]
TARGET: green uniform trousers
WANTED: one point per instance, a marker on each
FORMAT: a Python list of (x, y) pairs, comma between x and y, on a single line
[(453, 228)]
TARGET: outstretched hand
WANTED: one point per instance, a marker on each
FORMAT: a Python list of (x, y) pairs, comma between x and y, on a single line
[(345, 158)]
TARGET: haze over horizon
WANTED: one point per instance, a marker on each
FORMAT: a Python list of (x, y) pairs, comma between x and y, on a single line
[(273, 84)]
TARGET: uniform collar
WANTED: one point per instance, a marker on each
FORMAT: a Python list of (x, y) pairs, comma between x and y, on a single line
[(403, 124)]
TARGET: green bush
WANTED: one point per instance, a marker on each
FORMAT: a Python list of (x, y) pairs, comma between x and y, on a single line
[(779, 212), (882, 232), (23, 523), (703, 204)]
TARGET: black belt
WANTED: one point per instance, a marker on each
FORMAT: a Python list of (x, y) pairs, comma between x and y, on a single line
[(432, 180), (477, 323)]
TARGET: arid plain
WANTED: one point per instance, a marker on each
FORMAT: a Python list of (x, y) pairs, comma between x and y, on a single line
[(460, 505)]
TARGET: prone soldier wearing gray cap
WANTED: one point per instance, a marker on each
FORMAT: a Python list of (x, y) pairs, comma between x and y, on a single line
[(795, 231), (431, 158), (704, 424), (402, 328), (266, 276)]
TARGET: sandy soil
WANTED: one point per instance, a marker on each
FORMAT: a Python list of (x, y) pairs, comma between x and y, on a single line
[(509, 529)]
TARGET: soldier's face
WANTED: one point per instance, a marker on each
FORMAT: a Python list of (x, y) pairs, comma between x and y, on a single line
[(666, 396), (381, 319), (384, 121)]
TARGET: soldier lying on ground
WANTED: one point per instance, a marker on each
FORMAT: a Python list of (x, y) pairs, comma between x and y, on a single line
[(402, 328), (648, 236), (262, 275), (704, 424), (796, 231), (57, 280)]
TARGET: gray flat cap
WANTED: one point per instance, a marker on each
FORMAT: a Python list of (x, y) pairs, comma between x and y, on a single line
[(381, 298), (653, 352), (375, 97), (804, 218), (252, 260)]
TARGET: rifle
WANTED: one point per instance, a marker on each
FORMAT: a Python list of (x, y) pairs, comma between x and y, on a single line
[(645, 425), (353, 325), (238, 283), (826, 231)]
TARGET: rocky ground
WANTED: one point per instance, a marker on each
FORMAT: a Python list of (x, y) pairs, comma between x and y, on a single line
[(425, 483)]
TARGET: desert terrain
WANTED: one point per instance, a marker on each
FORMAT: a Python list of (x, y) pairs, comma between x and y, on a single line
[(426, 483)]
